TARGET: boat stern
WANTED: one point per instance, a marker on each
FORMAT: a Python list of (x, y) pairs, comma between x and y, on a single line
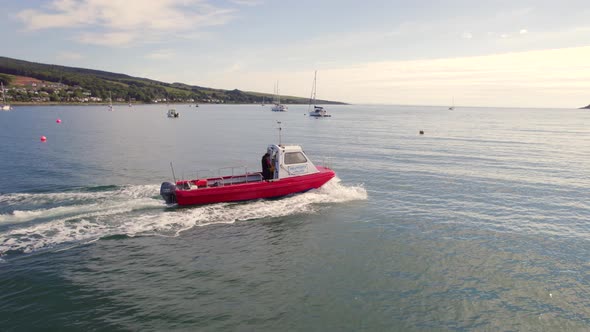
[(168, 192)]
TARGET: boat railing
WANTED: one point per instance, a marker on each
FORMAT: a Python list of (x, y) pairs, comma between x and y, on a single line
[(232, 169), (209, 173), (230, 173)]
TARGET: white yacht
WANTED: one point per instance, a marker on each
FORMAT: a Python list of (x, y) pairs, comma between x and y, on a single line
[(278, 107), (4, 106), (318, 111)]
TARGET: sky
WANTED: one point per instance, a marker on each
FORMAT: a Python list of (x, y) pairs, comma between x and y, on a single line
[(518, 53)]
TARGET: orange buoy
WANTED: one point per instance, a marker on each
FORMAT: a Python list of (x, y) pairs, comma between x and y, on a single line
[(58, 121), (43, 138)]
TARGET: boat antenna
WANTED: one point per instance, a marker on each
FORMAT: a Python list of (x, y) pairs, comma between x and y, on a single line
[(280, 129), (173, 176)]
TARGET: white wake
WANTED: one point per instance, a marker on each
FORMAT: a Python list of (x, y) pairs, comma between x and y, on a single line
[(137, 210)]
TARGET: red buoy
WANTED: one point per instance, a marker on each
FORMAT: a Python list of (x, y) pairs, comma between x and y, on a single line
[(43, 138), (58, 121)]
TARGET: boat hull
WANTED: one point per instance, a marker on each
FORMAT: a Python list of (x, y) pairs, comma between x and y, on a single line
[(253, 190)]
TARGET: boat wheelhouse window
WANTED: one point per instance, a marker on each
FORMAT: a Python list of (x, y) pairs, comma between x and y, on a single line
[(294, 158)]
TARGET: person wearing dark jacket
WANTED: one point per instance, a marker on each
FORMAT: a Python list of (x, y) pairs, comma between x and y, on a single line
[(267, 168)]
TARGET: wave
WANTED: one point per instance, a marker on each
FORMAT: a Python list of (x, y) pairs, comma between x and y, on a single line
[(137, 210)]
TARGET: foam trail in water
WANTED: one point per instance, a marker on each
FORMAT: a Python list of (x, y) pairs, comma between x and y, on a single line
[(75, 203), (28, 199), (133, 211)]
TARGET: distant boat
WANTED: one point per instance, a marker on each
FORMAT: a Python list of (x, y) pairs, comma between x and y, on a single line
[(111, 102), (4, 106), (318, 111), (172, 113), (452, 105), (278, 107)]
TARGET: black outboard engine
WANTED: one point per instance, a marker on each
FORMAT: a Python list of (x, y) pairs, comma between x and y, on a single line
[(168, 192)]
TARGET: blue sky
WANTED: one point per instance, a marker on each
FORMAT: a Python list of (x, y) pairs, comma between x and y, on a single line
[(492, 53)]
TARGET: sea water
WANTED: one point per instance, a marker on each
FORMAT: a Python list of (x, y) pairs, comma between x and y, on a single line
[(480, 223)]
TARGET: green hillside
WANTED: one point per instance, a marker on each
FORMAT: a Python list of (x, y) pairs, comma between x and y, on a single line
[(79, 84)]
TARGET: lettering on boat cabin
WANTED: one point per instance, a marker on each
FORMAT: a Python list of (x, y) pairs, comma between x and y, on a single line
[(298, 169)]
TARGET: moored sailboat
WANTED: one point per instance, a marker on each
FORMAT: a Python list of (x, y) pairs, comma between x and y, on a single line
[(278, 107), (4, 106), (111, 102), (318, 111)]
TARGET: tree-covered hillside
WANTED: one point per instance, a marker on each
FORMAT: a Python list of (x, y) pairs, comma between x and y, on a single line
[(100, 84)]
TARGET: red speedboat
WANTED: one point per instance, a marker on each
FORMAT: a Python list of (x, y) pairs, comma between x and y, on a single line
[(293, 173)]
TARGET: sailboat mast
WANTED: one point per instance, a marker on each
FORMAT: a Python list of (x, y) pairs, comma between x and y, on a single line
[(312, 96), (315, 73)]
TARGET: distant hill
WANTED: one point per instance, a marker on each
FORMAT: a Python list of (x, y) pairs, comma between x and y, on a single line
[(75, 84), (587, 107)]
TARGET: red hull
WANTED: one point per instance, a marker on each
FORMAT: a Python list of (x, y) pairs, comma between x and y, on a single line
[(254, 190)]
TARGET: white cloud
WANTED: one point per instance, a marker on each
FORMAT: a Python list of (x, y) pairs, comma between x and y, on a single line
[(161, 54), (547, 78), (235, 67), (250, 3), (523, 31), (536, 78), (125, 18), (106, 39), (466, 35), (69, 56)]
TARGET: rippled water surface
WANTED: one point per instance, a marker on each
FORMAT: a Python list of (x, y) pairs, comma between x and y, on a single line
[(482, 223)]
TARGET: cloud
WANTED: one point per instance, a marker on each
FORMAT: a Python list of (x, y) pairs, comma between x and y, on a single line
[(545, 78), (250, 3), (161, 54), (106, 39), (121, 20), (523, 31), (466, 35), (235, 67), (534, 78), (69, 56)]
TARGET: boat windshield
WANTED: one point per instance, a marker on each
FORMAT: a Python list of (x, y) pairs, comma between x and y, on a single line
[(294, 158)]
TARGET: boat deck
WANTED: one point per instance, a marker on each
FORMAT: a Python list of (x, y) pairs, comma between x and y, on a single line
[(220, 181)]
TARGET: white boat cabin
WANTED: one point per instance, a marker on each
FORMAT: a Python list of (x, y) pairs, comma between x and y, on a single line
[(289, 161)]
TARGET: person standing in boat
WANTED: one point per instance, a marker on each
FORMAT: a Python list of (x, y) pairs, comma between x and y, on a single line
[(267, 167)]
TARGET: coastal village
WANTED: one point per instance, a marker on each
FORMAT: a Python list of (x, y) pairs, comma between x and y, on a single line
[(31, 90)]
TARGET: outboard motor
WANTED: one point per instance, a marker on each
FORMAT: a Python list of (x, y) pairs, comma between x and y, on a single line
[(168, 192)]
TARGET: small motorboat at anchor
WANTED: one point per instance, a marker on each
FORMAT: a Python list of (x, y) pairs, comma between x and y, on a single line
[(172, 113), (289, 171)]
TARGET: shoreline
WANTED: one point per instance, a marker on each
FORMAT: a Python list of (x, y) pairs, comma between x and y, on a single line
[(133, 104)]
